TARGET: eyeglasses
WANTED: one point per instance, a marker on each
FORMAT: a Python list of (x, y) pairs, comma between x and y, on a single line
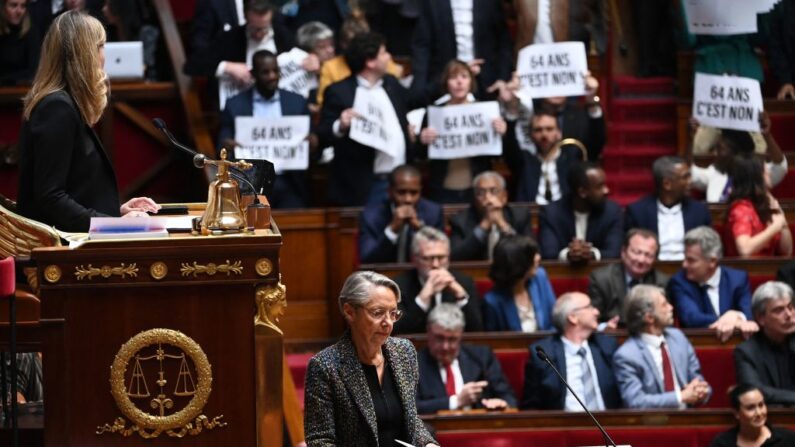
[(380, 313), (430, 259), (481, 192), (577, 309)]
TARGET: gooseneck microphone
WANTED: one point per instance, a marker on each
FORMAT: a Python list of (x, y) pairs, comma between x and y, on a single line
[(545, 358)]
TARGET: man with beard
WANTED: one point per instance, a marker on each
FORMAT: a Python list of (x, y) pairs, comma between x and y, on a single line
[(584, 225), (657, 366)]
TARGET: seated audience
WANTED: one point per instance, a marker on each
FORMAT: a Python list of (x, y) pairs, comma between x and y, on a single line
[(266, 100), (128, 20), (707, 294), (584, 224), (336, 69), (451, 180), (541, 175), (752, 429), (431, 282), (20, 43), (386, 229), (582, 355), (357, 172), (767, 359), (669, 212), (755, 224), (455, 375), (657, 366), (608, 285), (522, 297), (473, 32), (475, 231)]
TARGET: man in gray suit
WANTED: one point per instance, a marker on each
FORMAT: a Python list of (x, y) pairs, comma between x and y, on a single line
[(608, 285), (657, 366)]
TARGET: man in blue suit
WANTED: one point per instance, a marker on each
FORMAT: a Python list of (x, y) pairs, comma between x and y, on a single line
[(657, 366), (708, 295), (386, 229), (267, 100), (584, 225), (583, 356), (669, 213), (454, 375)]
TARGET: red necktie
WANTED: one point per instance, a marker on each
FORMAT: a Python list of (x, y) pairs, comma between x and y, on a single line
[(668, 377), (450, 385)]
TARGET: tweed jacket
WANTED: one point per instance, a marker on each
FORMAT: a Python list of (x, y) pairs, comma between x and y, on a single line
[(338, 408)]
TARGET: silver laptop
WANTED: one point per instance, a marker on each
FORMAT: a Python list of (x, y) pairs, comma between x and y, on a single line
[(124, 60)]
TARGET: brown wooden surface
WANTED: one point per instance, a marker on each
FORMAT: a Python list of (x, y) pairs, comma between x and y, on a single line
[(85, 322)]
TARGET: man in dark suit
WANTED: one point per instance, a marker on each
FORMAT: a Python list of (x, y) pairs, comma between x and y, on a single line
[(566, 20), (541, 176), (267, 100), (431, 283), (767, 359), (477, 36), (358, 172), (386, 229), (608, 285), (670, 212), (475, 231), (707, 294), (585, 224), (212, 18), (583, 356), (458, 376)]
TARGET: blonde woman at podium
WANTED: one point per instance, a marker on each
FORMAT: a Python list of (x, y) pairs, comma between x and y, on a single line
[(66, 178), (362, 390)]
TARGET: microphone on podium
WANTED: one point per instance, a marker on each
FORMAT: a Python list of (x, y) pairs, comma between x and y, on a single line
[(545, 358)]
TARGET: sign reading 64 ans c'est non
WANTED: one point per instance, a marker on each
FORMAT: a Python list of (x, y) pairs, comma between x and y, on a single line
[(281, 141)]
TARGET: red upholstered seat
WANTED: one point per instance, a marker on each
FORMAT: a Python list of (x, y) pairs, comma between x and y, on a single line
[(536, 438), (717, 367), (638, 437), (564, 285), (512, 363), (298, 364), (483, 285), (7, 277)]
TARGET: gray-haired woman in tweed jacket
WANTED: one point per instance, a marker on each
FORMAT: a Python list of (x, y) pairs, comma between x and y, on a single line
[(362, 390)]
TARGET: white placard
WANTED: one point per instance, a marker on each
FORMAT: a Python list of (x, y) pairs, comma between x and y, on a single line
[(727, 102), (281, 141), (227, 88), (371, 127), (464, 130), (293, 77), (554, 69), (724, 17)]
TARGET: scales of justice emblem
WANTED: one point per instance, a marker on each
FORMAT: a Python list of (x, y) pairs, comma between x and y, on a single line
[(145, 395)]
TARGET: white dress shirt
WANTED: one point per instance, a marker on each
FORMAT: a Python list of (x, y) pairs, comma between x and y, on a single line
[(464, 30), (713, 291), (459, 382), (544, 23), (549, 170), (580, 231), (574, 370), (654, 343), (671, 228), (252, 46)]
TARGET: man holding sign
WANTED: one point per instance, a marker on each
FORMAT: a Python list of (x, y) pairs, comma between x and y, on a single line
[(266, 102), (364, 118)]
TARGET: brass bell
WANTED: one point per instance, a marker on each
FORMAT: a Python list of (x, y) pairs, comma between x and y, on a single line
[(223, 212)]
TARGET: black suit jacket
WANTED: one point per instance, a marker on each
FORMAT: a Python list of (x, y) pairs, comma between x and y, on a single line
[(556, 228), (374, 246), (577, 123), (781, 45), (351, 173), (210, 19), (543, 390), (786, 273), (415, 319), (607, 288), (465, 246), (755, 364), (434, 45), (65, 176), (526, 167), (643, 214), (476, 363)]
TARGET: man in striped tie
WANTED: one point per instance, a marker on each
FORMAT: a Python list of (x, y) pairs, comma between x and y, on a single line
[(657, 366)]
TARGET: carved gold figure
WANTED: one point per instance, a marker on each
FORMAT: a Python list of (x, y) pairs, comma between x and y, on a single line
[(271, 304)]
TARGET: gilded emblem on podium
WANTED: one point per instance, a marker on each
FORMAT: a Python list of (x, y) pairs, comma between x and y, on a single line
[(161, 380)]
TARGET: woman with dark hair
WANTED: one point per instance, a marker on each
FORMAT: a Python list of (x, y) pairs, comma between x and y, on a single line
[(752, 429), (755, 224), (19, 43), (451, 180), (522, 297)]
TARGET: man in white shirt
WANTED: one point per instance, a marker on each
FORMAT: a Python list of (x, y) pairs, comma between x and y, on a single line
[(657, 366), (454, 375), (669, 212)]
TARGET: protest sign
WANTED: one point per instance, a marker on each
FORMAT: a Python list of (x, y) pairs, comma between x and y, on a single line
[(554, 69), (281, 141), (728, 102), (464, 130), (376, 125), (724, 17), (227, 88), (293, 77)]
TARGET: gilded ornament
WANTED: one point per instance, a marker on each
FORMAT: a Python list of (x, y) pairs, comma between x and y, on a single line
[(52, 273), (263, 266), (106, 271), (211, 268), (158, 270), (271, 304)]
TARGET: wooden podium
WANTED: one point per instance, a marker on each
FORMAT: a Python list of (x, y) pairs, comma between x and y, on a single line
[(166, 341)]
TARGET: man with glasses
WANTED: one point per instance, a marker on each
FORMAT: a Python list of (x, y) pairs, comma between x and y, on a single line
[(430, 283), (456, 376), (476, 230), (583, 356), (609, 285)]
